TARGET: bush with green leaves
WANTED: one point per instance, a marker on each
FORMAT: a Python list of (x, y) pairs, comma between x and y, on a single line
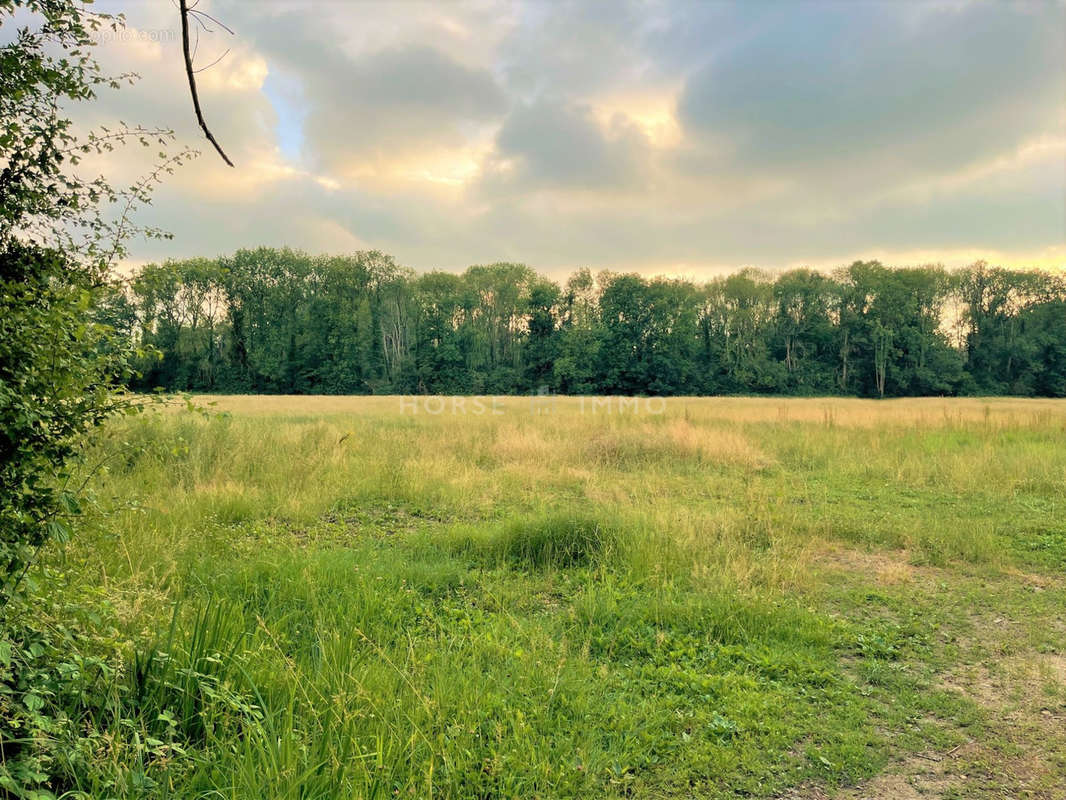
[(58, 367), (60, 363)]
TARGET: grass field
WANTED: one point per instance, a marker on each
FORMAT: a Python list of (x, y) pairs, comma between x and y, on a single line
[(543, 598)]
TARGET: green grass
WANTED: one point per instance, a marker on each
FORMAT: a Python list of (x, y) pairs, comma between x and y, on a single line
[(733, 598)]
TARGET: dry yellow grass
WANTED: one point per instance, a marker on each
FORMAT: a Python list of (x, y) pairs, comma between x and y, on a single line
[(847, 412), (749, 488)]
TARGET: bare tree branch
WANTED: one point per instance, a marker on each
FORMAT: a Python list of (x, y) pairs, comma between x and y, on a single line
[(183, 5), (214, 62), (197, 14)]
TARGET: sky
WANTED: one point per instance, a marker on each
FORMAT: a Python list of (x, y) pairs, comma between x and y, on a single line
[(662, 137)]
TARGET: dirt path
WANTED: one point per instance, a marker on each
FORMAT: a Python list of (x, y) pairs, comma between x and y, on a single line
[(1019, 748)]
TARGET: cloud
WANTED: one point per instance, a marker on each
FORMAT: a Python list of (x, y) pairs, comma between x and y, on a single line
[(362, 111), (630, 134), (873, 91), (581, 47), (551, 144)]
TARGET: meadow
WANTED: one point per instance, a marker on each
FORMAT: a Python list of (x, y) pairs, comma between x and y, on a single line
[(335, 597)]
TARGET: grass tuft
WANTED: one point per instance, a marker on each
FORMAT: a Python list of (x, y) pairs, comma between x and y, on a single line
[(550, 540)]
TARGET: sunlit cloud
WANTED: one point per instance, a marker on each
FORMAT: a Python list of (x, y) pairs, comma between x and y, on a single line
[(654, 112), (1048, 258)]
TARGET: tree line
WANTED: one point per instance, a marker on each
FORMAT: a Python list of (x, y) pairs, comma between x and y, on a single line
[(283, 321)]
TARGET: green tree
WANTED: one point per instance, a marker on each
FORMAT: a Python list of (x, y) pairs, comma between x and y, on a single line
[(279, 320), (579, 337), (804, 330), (746, 311), (1010, 324), (542, 342), (57, 244), (59, 362), (648, 336), (496, 301), (440, 348)]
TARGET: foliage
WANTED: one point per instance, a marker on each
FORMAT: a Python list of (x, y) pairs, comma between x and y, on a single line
[(57, 371), (86, 714), (280, 321), (61, 362), (48, 675)]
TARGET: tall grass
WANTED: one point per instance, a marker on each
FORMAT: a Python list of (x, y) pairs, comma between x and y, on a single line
[(376, 603)]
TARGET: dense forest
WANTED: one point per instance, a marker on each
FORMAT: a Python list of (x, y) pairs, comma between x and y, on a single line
[(282, 321)]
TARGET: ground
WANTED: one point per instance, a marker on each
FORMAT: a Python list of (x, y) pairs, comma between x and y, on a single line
[(564, 597)]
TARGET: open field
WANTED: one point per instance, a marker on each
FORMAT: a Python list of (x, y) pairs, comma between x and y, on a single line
[(690, 598)]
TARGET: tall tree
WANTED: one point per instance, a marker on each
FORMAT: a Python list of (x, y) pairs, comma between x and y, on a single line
[(542, 343), (281, 320)]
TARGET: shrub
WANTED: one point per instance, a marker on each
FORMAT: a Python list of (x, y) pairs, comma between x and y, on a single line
[(560, 540)]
